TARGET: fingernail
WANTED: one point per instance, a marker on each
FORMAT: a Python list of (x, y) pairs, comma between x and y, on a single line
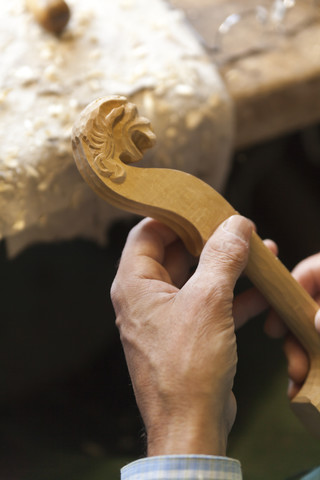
[(317, 321), (291, 388), (239, 226)]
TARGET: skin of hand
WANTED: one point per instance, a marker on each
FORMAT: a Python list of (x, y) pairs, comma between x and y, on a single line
[(178, 334), (307, 273)]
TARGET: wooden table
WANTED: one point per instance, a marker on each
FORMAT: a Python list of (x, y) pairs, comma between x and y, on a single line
[(276, 90)]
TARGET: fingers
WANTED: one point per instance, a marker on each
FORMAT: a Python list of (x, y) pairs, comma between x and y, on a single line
[(298, 364), (293, 389), (222, 260), (141, 262), (317, 321), (144, 252), (273, 247), (148, 239), (226, 252), (307, 273), (248, 305), (154, 251), (274, 327), (178, 262), (251, 303)]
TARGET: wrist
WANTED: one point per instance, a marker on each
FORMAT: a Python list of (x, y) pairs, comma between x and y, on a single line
[(187, 437)]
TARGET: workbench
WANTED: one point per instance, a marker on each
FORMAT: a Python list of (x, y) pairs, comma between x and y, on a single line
[(274, 82), (204, 104)]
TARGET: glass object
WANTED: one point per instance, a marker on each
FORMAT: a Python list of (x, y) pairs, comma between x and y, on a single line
[(242, 34)]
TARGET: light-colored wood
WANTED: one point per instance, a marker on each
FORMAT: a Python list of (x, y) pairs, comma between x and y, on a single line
[(107, 137), (53, 15)]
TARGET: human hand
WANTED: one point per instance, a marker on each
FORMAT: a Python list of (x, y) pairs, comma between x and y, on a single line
[(178, 336), (307, 273)]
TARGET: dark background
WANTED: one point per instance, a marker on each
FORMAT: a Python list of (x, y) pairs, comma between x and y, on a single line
[(67, 410)]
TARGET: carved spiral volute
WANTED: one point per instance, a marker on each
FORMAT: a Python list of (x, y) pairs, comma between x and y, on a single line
[(115, 135)]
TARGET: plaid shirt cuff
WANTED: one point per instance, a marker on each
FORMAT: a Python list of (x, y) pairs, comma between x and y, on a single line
[(183, 467)]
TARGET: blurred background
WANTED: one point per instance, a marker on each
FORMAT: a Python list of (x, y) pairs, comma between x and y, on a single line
[(67, 410)]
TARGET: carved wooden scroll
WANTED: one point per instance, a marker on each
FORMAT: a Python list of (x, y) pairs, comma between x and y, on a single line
[(110, 135)]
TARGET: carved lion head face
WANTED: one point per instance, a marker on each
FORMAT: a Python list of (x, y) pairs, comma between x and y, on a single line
[(115, 135), (132, 134)]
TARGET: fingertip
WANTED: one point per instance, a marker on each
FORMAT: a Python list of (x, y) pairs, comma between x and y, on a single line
[(298, 360), (248, 305), (293, 389), (151, 230), (239, 226), (225, 255), (317, 321), (272, 246)]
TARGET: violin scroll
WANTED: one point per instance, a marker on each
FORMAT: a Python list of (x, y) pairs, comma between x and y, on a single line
[(108, 137), (115, 135)]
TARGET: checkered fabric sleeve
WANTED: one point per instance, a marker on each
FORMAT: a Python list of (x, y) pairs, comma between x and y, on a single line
[(313, 475), (183, 467)]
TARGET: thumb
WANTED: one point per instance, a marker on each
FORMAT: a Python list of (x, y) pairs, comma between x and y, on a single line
[(225, 254)]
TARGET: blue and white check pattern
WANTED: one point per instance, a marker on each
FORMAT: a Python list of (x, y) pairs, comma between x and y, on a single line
[(183, 467), (314, 475)]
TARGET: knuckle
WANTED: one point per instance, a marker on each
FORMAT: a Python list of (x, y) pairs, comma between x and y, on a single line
[(213, 292), (229, 253), (119, 323), (118, 295), (114, 292)]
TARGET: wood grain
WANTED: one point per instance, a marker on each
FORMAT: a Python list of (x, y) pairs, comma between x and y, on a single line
[(107, 137), (275, 90)]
